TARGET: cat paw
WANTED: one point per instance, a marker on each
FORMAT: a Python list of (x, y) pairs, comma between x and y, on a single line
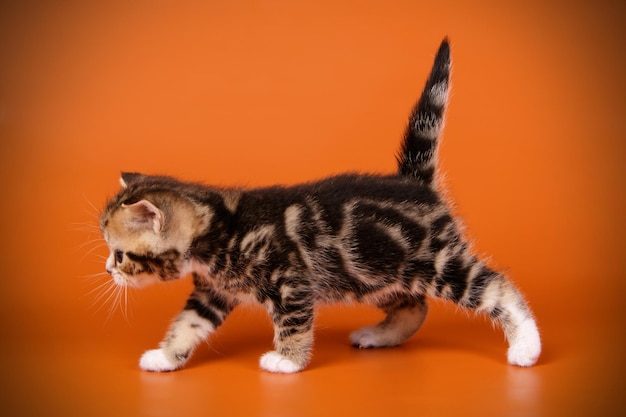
[(526, 347), (155, 361), (365, 338), (275, 362)]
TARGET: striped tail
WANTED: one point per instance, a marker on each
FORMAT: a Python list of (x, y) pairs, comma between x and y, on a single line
[(418, 154)]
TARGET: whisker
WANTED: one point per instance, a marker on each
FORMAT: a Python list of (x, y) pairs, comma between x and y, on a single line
[(103, 299), (109, 296), (99, 241), (106, 289), (125, 310), (94, 251), (126, 303), (96, 276), (85, 227), (91, 250), (213, 348), (95, 211), (113, 301), (118, 301), (99, 287)]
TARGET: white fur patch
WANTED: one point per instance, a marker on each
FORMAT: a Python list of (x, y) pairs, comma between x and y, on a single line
[(155, 361), (275, 362), (525, 348)]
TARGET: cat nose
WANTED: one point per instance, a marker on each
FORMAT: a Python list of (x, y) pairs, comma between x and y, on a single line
[(109, 270)]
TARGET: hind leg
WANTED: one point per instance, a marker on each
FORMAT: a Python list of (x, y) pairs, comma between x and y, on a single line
[(490, 292), (405, 315), (506, 306)]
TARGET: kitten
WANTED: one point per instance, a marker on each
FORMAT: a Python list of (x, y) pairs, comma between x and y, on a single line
[(387, 240)]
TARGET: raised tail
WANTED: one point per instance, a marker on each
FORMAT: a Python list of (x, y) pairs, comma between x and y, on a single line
[(418, 154)]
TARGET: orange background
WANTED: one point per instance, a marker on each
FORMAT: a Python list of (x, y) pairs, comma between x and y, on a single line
[(251, 93)]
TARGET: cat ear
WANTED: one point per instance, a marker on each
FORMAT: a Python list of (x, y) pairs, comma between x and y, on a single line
[(144, 214), (128, 178)]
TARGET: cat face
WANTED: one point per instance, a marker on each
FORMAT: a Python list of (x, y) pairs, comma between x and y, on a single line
[(148, 238), (132, 234)]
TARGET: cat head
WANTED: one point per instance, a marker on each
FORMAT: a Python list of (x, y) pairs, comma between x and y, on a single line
[(149, 227)]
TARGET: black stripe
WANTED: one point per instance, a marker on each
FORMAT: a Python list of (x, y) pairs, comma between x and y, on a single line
[(477, 287), (163, 264), (439, 224), (285, 333), (219, 302), (455, 275), (418, 269), (495, 313), (341, 282), (286, 308), (203, 311), (297, 321)]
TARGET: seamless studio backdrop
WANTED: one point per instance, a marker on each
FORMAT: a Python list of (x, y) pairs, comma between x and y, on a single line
[(256, 93)]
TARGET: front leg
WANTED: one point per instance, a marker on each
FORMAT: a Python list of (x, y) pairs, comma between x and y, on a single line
[(204, 312), (292, 314)]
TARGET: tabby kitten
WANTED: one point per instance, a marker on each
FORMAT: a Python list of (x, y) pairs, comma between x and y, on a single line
[(387, 240)]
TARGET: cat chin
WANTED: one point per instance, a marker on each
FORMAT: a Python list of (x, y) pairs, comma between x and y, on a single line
[(139, 281), (119, 279)]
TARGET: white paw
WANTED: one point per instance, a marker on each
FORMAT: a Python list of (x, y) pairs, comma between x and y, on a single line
[(275, 362), (365, 338), (155, 361), (526, 347)]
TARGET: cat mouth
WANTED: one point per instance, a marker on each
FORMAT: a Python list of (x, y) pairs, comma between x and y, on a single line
[(135, 281), (120, 279)]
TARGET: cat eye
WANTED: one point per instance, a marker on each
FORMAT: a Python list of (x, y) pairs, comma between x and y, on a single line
[(119, 256)]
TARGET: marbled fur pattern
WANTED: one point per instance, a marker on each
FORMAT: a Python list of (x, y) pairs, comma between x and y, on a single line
[(387, 240)]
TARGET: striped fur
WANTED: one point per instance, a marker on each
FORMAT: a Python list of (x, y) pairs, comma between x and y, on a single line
[(387, 240), (418, 153)]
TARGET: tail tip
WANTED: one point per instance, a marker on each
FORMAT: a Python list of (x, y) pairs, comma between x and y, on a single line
[(443, 54)]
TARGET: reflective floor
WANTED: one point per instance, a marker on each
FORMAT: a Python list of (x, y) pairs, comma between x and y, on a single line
[(255, 93), (455, 366)]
